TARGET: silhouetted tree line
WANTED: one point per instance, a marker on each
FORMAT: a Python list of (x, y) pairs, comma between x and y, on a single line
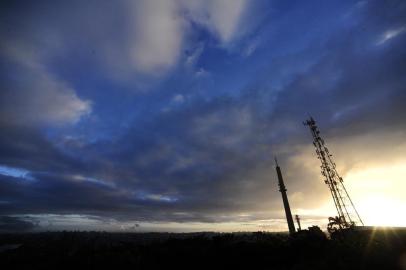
[(308, 249)]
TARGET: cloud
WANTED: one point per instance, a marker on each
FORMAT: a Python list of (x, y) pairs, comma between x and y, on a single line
[(252, 47), (141, 41), (194, 55), (31, 95), (222, 18), (158, 35), (217, 155), (15, 172), (161, 28), (15, 224), (391, 33), (28, 150), (211, 159), (178, 99)]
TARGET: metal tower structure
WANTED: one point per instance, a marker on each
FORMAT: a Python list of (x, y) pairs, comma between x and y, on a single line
[(347, 214), (298, 223), (283, 190)]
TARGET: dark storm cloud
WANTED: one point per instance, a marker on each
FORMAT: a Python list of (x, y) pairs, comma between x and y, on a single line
[(212, 160), (26, 147), (15, 224)]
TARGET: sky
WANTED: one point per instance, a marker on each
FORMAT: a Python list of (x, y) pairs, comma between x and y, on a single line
[(166, 115)]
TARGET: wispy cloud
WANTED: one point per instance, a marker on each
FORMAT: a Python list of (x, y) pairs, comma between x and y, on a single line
[(390, 34), (16, 172)]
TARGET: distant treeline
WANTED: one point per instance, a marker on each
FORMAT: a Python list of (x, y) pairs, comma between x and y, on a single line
[(308, 249)]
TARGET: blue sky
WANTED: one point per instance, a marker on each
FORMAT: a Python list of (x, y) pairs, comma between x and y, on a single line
[(167, 114)]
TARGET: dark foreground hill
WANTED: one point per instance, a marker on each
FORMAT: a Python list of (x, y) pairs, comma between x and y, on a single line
[(366, 249)]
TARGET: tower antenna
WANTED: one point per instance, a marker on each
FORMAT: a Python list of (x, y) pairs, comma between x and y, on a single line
[(347, 214), (283, 190), (298, 222)]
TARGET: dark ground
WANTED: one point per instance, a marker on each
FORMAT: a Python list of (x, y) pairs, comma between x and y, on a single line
[(366, 249)]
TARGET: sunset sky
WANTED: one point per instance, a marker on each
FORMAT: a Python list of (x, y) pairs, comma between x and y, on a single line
[(166, 115)]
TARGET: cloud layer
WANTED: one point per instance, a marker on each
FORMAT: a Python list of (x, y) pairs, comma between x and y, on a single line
[(194, 149)]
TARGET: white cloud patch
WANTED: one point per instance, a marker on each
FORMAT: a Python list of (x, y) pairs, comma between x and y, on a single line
[(33, 96), (142, 195), (158, 35), (390, 34), (222, 17), (160, 28), (81, 178)]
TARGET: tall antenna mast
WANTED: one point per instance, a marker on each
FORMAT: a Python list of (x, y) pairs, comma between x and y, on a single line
[(347, 214), (283, 190), (298, 223)]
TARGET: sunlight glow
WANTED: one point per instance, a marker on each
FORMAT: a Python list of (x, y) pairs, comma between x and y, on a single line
[(378, 193)]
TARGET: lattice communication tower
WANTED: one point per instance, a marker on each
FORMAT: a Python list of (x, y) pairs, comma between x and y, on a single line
[(347, 214)]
